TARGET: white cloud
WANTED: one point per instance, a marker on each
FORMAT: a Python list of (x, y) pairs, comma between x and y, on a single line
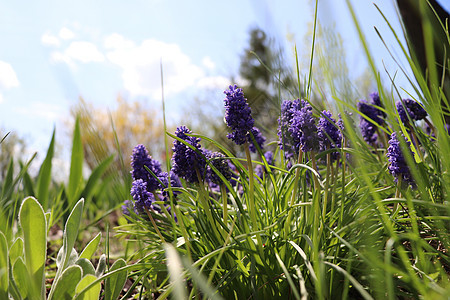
[(214, 82), (50, 40), (208, 63), (142, 68), (116, 41), (66, 34), (8, 77), (79, 51)]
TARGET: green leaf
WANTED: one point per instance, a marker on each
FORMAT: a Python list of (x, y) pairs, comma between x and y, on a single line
[(96, 176), (21, 278), (101, 267), (44, 177), (86, 266), (76, 165), (8, 183), (4, 278), (16, 250), (33, 223), (71, 231), (115, 283), (64, 288), (90, 248), (93, 292)]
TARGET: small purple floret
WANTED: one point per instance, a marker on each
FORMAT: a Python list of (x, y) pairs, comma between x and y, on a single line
[(329, 134)]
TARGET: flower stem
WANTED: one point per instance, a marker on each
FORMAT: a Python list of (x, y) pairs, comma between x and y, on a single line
[(294, 194), (223, 189), (251, 197)]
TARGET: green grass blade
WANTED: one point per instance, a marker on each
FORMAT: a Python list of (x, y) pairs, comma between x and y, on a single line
[(44, 177), (33, 223), (8, 183), (115, 283), (355, 283), (76, 166), (4, 278), (96, 175)]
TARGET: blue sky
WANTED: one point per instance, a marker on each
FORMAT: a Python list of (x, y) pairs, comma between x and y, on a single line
[(55, 51)]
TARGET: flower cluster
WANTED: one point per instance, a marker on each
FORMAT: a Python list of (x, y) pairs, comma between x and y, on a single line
[(238, 115), (368, 129), (143, 199), (188, 162), (329, 133), (148, 169), (303, 129), (259, 138), (287, 142), (221, 164), (411, 108), (397, 163)]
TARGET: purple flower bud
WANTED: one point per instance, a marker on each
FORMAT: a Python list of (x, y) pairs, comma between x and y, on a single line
[(287, 141), (260, 169), (219, 162), (397, 163), (187, 161), (127, 207), (140, 159), (237, 115), (142, 197), (329, 134), (303, 129), (368, 129), (412, 108), (259, 138)]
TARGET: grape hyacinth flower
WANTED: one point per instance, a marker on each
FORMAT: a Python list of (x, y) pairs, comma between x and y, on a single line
[(259, 138), (303, 129), (287, 142), (397, 163), (219, 162), (368, 129), (127, 207), (238, 115), (140, 159), (186, 161), (260, 169), (329, 134), (142, 197), (411, 108)]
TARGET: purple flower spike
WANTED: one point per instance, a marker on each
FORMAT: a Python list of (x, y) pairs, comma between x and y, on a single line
[(287, 141), (259, 138), (186, 161), (127, 207), (368, 129), (260, 169), (329, 134), (237, 115), (140, 159), (303, 128), (397, 163), (142, 197), (219, 162), (413, 109)]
